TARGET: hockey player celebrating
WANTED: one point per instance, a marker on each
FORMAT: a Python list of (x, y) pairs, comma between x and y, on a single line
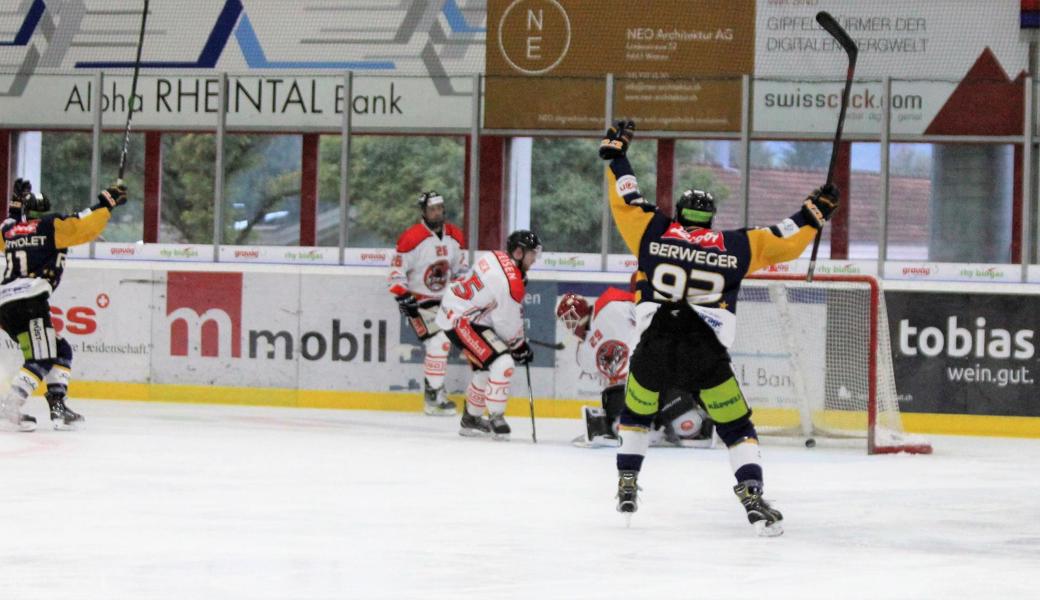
[(606, 335), (35, 244), (483, 315), (429, 255), (689, 277)]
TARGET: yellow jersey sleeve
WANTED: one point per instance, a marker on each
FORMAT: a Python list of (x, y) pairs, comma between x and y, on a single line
[(769, 248), (631, 213), (76, 230)]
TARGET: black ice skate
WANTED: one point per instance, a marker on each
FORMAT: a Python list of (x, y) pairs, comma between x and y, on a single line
[(627, 492), (767, 520), (62, 417), (436, 401), (499, 428), (471, 426)]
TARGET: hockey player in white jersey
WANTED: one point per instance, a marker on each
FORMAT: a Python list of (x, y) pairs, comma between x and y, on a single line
[(483, 315), (429, 255), (607, 335)]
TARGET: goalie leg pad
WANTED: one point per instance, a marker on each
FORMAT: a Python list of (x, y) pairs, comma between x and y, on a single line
[(599, 428), (613, 399)]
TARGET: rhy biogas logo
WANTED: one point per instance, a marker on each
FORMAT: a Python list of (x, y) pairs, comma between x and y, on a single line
[(204, 314)]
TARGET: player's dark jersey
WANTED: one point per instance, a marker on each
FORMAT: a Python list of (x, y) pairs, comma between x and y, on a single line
[(704, 267), (36, 248)]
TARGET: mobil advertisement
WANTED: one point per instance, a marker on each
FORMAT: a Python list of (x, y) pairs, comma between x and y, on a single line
[(303, 330), (965, 353)]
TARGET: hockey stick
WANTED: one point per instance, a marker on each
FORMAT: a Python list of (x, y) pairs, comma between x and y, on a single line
[(133, 95), (826, 21), (556, 346), (530, 392)]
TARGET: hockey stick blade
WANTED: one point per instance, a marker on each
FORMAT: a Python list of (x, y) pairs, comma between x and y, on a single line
[(831, 26)]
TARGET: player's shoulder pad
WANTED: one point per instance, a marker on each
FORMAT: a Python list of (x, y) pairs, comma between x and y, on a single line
[(412, 237), (612, 295), (513, 275), (456, 234)]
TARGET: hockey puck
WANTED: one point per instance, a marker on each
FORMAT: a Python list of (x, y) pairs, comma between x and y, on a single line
[(810, 443)]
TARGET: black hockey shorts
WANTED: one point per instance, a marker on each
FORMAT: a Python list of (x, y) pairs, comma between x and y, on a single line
[(678, 351), (28, 322)]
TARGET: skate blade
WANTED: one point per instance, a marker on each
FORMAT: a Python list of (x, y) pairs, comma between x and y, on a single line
[(434, 411), (628, 519), (500, 437), (765, 530), (62, 426), (473, 433)]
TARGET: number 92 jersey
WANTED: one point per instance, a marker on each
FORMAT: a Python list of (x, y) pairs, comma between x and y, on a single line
[(703, 267)]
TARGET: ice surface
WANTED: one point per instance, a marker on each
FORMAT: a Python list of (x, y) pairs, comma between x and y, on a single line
[(192, 501)]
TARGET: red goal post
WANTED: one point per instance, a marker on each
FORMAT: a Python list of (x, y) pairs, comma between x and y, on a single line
[(815, 360)]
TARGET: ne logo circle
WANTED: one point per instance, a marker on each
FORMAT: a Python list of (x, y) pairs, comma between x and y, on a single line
[(534, 35)]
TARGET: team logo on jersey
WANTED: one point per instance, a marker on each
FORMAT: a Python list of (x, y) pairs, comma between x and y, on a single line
[(612, 359), (705, 238), (27, 228), (436, 276)]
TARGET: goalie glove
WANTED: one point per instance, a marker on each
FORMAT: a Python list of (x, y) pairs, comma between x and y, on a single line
[(616, 140), (821, 204), (113, 196), (408, 305)]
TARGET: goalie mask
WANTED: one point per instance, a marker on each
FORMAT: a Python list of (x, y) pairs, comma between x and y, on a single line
[(695, 208), (427, 202), (574, 312)]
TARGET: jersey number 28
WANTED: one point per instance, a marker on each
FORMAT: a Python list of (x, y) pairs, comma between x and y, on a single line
[(673, 283)]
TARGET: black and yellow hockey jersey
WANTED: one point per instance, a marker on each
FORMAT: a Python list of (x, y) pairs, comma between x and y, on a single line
[(704, 267), (36, 248)]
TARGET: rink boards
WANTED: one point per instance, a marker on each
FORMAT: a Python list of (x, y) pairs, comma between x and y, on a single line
[(331, 337)]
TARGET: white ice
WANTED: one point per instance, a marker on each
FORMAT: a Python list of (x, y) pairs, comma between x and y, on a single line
[(168, 501)]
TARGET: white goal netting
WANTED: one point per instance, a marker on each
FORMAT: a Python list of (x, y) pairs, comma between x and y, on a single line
[(814, 360)]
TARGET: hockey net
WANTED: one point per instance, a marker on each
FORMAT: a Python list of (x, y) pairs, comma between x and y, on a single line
[(814, 360)]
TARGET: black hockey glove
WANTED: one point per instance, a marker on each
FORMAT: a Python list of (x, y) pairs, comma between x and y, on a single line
[(112, 197), (820, 204), (19, 192), (408, 305), (616, 139), (522, 354)]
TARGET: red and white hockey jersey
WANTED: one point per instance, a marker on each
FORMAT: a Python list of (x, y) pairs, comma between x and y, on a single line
[(490, 294), (424, 263), (611, 337)]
